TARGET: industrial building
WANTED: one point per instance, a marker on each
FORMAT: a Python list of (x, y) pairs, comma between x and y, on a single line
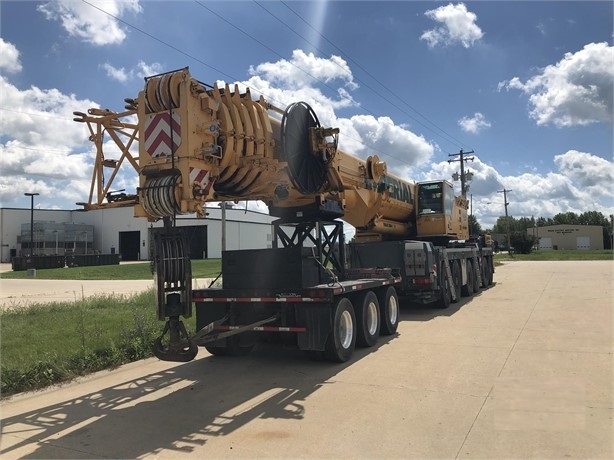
[(565, 237), (116, 230)]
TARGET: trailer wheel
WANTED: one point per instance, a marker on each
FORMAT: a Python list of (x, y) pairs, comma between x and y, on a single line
[(342, 339), (456, 280), (367, 320), (389, 310), (467, 289)]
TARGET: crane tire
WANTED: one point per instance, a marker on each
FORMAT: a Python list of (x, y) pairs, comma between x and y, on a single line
[(456, 279), (446, 296), (467, 289), (476, 277), (488, 269)]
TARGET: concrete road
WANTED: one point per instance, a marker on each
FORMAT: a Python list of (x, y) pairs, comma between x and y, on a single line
[(16, 293), (523, 370)]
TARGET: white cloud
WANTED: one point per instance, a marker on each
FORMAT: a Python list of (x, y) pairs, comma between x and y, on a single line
[(576, 91), (42, 149), (586, 170), (397, 146), (41, 117), (458, 25), (141, 70), (9, 57), (474, 124), (88, 22), (114, 73), (305, 69), (147, 70)]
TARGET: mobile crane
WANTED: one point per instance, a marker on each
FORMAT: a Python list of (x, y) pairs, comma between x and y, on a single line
[(200, 143)]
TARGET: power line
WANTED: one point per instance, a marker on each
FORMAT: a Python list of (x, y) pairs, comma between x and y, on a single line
[(323, 82), (360, 141), (349, 58), (190, 56)]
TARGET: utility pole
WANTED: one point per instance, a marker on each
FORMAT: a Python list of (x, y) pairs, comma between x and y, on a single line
[(507, 220), (462, 160)]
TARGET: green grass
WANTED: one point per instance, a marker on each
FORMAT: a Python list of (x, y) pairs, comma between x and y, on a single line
[(206, 268), (44, 344), (557, 255)]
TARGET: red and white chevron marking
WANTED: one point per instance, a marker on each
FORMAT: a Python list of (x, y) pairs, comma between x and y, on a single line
[(159, 140), (202, 177)]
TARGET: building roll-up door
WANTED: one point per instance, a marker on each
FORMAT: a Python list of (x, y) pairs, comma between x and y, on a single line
[(545, 243), (583, 242)]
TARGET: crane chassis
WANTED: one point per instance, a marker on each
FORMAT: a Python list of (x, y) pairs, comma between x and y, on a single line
[(200, 143)]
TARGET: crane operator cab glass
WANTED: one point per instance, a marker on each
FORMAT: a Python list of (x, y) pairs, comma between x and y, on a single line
[(437, 211)]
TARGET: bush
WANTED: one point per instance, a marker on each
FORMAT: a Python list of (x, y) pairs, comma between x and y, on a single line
[(522, 243)]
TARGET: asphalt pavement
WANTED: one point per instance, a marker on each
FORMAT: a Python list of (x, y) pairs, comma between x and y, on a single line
[(521, 370)]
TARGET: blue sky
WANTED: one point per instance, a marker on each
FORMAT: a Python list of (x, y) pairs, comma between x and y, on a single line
[(527, 85)]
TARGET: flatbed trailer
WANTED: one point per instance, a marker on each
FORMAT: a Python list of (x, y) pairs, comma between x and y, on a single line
[(328, 319), (315, 292)]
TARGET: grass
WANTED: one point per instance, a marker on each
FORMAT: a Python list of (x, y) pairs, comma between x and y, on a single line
[(206, 268), (44, 344), (606, 254)]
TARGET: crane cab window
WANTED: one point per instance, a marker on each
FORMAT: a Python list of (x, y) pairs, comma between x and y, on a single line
[(435, 198)]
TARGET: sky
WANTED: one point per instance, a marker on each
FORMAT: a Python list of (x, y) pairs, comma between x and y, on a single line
[(527, 86)]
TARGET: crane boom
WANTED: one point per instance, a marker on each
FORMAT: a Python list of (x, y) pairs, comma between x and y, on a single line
[(203, 143)]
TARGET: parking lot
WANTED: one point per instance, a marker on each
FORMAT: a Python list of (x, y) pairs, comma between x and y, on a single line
[(523, 369)]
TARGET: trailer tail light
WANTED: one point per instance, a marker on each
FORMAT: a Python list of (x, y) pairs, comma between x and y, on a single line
[(422, 280)]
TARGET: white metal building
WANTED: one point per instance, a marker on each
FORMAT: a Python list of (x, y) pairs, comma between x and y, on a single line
[(116, 230)]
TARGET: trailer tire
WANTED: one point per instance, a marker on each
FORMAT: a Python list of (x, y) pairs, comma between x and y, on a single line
[(367, 320), (467, 289), (389, 310), (456, 280), (342, 339)]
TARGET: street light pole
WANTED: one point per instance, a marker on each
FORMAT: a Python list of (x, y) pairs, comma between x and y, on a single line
[(31, 195), (507, 220)]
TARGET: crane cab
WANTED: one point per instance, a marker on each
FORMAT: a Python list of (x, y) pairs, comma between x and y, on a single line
[(440, 214)]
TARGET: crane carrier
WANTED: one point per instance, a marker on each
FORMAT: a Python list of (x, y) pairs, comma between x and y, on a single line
[(200, 143)]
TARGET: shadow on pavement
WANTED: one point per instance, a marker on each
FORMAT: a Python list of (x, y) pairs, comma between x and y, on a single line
[(178, 409)]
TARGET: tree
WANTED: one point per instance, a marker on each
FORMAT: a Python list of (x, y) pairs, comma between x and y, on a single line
[(474, 226), (565, 218)]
